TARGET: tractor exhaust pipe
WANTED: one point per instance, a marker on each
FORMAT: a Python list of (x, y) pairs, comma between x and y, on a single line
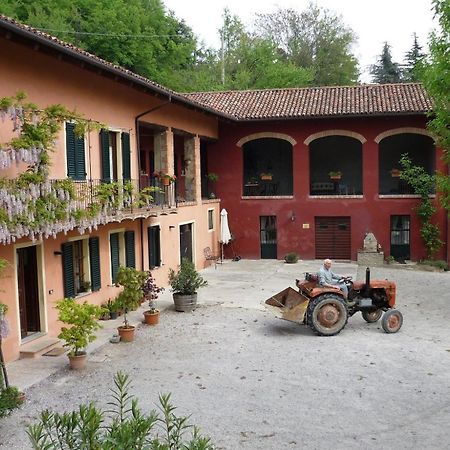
[(367, 286)]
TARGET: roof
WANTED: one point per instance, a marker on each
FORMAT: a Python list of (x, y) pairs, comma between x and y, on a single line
[(11, 26), (316, 102), (292, 103)]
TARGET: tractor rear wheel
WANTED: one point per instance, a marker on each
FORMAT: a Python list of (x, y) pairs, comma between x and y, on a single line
[(392, 321), (372, 316), (327, 314)]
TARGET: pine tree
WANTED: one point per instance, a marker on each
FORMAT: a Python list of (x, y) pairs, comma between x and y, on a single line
[(413, 59), (385, 70)]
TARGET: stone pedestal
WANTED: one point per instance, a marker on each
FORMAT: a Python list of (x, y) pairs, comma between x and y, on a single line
[(370, 255)]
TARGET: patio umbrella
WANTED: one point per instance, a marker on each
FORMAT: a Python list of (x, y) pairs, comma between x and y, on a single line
[(225, 235)]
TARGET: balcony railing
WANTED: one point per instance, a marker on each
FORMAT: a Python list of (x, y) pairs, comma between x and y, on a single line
[(334, 188)]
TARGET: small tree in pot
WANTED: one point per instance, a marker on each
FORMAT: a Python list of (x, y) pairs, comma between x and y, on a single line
[(184, 285), (151, 292), (82, 318), (132, 281)]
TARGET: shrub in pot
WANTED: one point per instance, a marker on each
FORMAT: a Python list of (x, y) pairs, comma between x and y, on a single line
[(151, 292), (184, 284), (82, 318), (131, 280)]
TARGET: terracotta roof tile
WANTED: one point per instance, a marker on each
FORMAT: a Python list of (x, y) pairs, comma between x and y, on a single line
[(371, 99)]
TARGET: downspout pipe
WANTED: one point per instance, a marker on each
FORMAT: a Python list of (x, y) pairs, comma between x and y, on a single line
[(138, 148)]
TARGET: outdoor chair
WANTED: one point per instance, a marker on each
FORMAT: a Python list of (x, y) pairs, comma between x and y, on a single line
[(209, 256)]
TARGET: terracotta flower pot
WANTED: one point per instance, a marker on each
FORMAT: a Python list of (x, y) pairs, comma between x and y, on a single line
[(151, 317), (165, 182), (77, 362), (126, 334)]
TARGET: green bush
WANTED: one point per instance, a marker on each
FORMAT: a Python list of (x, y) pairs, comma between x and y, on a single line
[(440, 264), (291, 257), (122, 426), (186, 281), (10, 399)]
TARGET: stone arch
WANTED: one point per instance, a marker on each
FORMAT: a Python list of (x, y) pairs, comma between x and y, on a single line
[(266, 134), (326, 133), (404, 130)]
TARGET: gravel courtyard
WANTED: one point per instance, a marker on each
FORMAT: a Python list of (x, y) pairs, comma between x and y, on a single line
[(252, 381)]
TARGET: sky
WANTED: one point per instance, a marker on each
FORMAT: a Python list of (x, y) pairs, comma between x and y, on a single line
[(374, 21)]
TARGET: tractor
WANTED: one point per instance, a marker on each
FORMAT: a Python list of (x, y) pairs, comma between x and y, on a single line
[(326, 311)]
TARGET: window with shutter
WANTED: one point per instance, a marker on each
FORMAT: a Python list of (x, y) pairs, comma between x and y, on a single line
[(130, 258), (94, 258), (106, 166), (115, 255), (75, 154), (126, 157), (154, 246), (67, 265), (75, 262)]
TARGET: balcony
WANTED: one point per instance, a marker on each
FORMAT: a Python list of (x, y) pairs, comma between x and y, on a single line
[(33, 208)]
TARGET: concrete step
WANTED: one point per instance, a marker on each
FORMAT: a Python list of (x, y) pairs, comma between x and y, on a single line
[(38, 347)]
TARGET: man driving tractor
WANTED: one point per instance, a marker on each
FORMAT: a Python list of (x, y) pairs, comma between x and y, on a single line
[(327, 278)]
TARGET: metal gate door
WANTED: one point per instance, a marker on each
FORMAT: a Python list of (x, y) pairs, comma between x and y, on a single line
[(333, 237), (268, 237), (400, 226)]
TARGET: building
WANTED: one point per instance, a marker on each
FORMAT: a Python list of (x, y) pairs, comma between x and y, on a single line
[(273, 151)]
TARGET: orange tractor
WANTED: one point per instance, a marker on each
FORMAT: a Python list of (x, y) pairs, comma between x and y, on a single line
[(326, 311)]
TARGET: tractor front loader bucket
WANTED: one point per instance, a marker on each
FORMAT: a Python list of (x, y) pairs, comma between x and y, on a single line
[(288, 304)]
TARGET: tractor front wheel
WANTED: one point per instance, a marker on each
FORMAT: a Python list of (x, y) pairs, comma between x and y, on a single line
[(372, 316), (392, 321), (327, 315)]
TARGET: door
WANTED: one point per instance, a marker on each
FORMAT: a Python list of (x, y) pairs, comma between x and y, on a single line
[(268, 237), (400, 229), (28, 287), (333, 237), (186, 242)]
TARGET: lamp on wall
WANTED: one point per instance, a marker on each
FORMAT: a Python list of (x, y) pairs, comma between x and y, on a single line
[(293, 216), (57, 252)]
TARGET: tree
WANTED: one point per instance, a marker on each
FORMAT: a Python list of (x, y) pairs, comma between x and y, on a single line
[(436, 78), (315, 39), (385, 70), (413, 59)]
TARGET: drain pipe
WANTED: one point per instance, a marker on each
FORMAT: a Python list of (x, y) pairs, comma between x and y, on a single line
[(138, 147)]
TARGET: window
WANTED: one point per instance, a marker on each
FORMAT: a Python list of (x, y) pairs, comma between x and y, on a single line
[(210, 219), (154, 246), (81, 266), (75, 154), (122, 251), (116, 155)]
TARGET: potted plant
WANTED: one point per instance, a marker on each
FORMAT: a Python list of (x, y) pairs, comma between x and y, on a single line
[(266, 176), (82, 318), (165, 178), (395, 173), (184, 285), (132, 281), (335, 175), (151, 292), (212, 179), (113, 308)]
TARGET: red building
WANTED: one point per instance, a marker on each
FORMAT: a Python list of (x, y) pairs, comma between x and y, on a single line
[(312, 170)]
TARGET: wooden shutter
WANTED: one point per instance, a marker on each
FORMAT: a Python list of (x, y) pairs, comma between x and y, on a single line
[(333, 237), (126, 157), (115, 257), (67, 265), (94, 258), (106, 167), (75, 156), (154, 247), (130, 257)]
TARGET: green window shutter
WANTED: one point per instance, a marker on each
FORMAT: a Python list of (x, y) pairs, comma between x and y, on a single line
[(126, 156), (67, 265), (130, 256), (154, 246), (76, 164), (104, 144), (70, 150), (94, 258), (115, 258)]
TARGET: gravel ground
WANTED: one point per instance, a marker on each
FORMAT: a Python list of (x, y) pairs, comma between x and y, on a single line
[(252, 381)]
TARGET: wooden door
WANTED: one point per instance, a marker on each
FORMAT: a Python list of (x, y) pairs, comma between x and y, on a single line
[(333, 237), (28, 286)]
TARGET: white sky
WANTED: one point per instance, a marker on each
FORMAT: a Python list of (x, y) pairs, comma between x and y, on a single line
[(374, 21)]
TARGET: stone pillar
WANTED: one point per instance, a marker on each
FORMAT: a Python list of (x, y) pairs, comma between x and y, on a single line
[(164, 152), (192, 164)]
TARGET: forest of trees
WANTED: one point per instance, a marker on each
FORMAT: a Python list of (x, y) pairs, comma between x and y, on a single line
[(286, 48)]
